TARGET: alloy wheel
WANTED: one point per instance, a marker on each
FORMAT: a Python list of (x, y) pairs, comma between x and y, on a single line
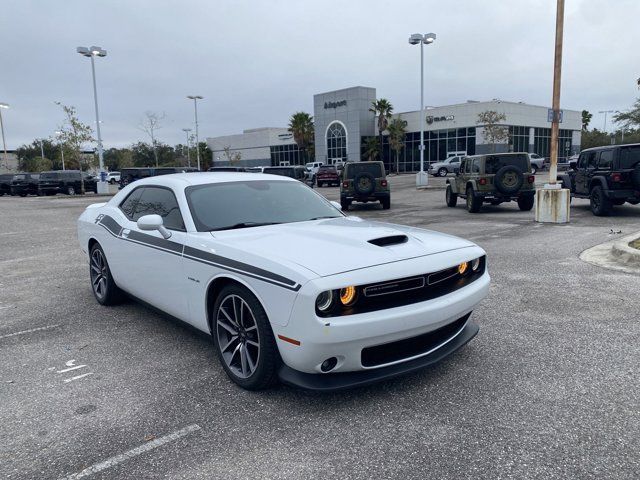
[(99, 273), (237, 335)]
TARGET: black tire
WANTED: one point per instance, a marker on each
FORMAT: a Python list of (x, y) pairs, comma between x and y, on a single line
[(525, 203), (345, 204), (450, 197), (508, 179), (253, 328), (473, 203), (102, 284), (442, 172), (600, 205), (534, 169), (386, 203), (364, 183), (71, 190)]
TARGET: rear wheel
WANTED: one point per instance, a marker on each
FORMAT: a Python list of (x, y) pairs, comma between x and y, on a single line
[(600, 204), (534, 169), (451, 198), (71, 190), (104, 288), (243, 339), (442, 172), (526, 203), (473, 203)]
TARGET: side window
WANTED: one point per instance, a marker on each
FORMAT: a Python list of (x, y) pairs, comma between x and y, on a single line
[(160, 201), (130, 204), (582, 160), (592, 159), (463, 165), (455, 160), (475, 165), (606, 160)]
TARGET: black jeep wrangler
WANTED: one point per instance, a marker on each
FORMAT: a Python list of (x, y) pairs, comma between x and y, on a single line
[(607, 176)]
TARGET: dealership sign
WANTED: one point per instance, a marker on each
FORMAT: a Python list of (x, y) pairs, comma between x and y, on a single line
[(341, 103), (441, 118)]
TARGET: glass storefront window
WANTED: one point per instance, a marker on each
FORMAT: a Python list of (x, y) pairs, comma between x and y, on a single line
[(336, 142)]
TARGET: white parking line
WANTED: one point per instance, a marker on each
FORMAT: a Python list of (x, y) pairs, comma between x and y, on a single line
[(67, 380), (28, 331), (118, 459)]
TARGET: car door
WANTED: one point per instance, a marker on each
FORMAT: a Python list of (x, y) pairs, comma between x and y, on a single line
[(586, 163), (153, 270)]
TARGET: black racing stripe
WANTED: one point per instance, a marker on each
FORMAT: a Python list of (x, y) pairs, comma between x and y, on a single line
[(154, 241), (113, 227), (212, 257), (110, 224)]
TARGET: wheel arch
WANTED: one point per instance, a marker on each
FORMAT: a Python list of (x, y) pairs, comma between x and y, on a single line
[(595, 181)]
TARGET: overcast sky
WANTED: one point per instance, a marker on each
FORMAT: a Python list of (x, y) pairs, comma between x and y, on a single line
[(257, 62)]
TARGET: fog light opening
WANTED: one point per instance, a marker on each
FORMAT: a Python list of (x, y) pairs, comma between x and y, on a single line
[(329, 364)]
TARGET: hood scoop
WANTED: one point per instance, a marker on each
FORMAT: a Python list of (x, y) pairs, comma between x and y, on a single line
[(390, 240)]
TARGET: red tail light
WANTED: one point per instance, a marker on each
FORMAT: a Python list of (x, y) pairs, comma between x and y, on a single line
[(482, 181), (383, 183), (531, 179), (616, 177), (345, 184)]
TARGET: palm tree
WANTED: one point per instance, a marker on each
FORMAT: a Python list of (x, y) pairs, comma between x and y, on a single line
[(301, 126), (383, 109), (371, 148), (397, 132)]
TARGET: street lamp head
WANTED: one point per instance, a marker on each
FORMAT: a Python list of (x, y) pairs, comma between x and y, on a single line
[(186, 130), (98, 51), (415, 39), (194, 97), (84, 51), (429, 38), (4, 105)]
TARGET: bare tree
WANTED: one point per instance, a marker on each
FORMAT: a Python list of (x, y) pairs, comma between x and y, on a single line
[(232, 157), (149, 125), (493, 131)]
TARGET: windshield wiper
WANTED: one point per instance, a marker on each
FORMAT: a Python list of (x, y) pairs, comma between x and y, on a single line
[(243, 225)]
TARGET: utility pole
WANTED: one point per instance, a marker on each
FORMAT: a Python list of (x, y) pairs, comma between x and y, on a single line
[(187, 130)]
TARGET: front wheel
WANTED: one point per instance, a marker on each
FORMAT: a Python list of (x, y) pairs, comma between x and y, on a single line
[(534, 169), (452, 198), (526, 203), (104, 288), (443, 172), (243, 339), (600, 204), (71, 190), (473, 203)]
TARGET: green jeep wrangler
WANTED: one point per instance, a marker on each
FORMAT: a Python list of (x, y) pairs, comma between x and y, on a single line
[(493, 178), (364, 182)]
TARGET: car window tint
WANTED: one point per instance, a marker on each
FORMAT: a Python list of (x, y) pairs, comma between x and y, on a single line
[(606, 160), (494, 163), (160, 201), (629, 156), (374, 169), (475, 165), (591, 159), (129, 205), (582, 160)]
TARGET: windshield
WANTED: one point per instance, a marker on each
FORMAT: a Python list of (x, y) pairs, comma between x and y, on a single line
[(629, 156), (493, 163), (284, 171), (374, 169), (19, 177), (219, 206)]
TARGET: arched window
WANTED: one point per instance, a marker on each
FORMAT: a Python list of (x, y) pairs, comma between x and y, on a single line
[(336, 143)]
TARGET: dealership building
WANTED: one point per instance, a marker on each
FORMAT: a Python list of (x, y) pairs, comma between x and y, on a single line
[(343, 122)]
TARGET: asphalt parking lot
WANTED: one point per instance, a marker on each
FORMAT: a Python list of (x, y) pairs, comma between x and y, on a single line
[(550, 388)]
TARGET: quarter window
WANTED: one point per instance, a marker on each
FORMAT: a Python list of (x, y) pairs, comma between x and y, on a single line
[(606, 160), (130, 203)]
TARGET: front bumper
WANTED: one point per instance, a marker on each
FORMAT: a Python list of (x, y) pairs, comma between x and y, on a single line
[(342, 381)]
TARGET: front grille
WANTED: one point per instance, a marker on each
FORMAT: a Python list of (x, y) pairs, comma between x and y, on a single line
[(411, 347), (406, 291)]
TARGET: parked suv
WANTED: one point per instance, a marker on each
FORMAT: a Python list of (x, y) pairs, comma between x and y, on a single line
[(364, 182), (24, 184), (327, 175), (494, 179), (65, 181), (113, 177), (607, 176), (297, 172), (5, 183), (442, 169), (537, 162)]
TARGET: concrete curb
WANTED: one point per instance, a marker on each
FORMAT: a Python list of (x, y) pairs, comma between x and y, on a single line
[(626, 253)]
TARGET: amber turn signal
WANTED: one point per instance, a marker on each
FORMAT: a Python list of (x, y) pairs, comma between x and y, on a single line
[(463, 267)]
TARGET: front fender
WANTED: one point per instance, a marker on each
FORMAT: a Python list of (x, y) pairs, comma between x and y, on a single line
[(598, 181)]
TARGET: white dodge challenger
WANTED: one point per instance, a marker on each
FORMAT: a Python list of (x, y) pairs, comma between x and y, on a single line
[(289, 287)]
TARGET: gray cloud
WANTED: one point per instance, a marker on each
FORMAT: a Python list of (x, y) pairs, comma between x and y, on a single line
[(257, 62)]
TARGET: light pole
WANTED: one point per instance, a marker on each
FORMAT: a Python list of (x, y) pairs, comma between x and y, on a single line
[(422, 179), (186, 131), (91, 53), (42, 149), (604, 129), (61, 149), (195, 99), (4, 144)]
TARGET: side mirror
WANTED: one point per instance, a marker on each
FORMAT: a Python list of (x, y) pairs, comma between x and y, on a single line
[(573, 164), (153, 222), (336, 204)]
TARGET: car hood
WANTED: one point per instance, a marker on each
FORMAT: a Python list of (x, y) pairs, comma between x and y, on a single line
[(438, 165), (333, 246)]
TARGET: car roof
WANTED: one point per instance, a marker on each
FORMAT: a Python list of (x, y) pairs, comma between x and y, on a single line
[(609, 147), (181, 180)]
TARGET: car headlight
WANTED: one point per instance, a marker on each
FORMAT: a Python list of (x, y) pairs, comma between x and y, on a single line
[(463, 268), (348, 296), (324, 302), (475, 264)]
